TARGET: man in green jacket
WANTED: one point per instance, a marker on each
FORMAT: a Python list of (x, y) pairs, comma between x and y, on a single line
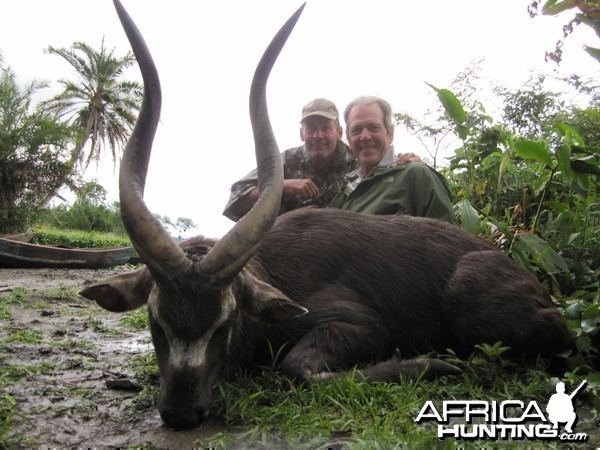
[(379, 185)]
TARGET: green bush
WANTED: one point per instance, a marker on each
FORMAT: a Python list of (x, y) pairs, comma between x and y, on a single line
[(89, 212), (79, 239)]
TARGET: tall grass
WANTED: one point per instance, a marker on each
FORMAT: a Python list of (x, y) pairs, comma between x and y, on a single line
[(266, 410)]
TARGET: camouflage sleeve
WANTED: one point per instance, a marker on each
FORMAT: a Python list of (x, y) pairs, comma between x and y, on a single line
[(291, 159), (238, 190)]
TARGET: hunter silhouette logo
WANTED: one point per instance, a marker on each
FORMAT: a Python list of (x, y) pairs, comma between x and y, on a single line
[(560, 407), (509, 419)]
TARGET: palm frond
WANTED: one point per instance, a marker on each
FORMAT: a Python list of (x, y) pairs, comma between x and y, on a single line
[(102, 105)]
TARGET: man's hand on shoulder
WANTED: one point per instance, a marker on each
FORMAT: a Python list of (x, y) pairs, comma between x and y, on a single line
[(404, 158)]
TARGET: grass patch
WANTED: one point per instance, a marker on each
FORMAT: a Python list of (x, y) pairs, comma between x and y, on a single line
[(62, 293), (41, 304), (75, 344), (281, 414), (97, 325), (8, 412), (268, 411), (31, 337), (12, 373), (17, 296), (137, 320), (5, 313), (145, 368)]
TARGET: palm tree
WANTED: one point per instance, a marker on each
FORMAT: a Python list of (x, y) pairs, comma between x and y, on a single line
[(100, 104)]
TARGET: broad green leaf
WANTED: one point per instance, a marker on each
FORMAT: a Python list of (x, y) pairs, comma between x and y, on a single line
[(469, 217), (519, 255), (572, 137), (589, 325), (451, 104), (593, 379), (592, 312), (557, 206), (563, 155), (588, 165), (573, 310), (532, 150), (582, 183), (462, 131), (553, 7), (594, 52), (573, 237), (585, 150), (542, 253), (548, 4), (583, 343)]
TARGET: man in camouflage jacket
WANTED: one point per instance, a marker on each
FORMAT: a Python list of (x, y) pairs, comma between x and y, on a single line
[(313, 173)]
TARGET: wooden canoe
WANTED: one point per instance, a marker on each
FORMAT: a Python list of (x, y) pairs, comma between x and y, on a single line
[(21, 237), (16, 251)]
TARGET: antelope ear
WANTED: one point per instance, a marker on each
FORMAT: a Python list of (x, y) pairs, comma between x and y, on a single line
[(264, 303), (123, 292)]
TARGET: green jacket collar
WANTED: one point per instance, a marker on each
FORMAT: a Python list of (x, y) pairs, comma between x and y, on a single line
[(354, 178)]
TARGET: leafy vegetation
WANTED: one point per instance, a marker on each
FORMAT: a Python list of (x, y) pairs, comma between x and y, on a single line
[(78, 239), (97, 223), (33, 154), (529, 183), (90, 212)]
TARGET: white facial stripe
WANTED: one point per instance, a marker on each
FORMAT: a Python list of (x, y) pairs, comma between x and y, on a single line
[(193, 354)]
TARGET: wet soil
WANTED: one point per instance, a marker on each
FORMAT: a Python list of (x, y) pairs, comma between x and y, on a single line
[(72, 368)]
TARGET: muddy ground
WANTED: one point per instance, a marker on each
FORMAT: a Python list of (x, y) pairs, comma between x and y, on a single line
[(73, 369)]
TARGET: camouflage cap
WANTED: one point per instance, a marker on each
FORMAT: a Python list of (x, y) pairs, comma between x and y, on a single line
[(320, 107)]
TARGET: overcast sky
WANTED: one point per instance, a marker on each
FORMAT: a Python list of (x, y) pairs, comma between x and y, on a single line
[(206, 53)]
